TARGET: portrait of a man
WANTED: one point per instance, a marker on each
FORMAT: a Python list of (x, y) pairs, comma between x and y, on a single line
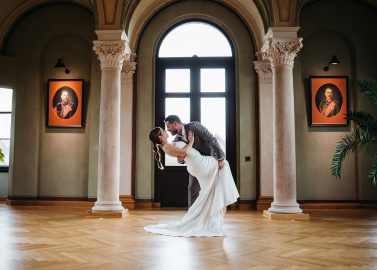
[(329, 100), (65, 103)]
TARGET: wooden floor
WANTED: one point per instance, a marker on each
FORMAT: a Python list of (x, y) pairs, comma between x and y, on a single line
[(64, 238)]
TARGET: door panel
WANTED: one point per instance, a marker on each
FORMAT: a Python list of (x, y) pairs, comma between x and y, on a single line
[(175, 188)]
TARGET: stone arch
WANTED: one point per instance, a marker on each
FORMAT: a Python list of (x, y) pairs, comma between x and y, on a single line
[(247, 10)]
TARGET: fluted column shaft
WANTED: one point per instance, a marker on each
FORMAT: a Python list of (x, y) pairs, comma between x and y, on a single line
[(264, 71), (126, 128), (111, 54), (281, 52)]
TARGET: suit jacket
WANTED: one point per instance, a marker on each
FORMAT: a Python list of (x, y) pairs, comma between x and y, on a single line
[(204, 141)]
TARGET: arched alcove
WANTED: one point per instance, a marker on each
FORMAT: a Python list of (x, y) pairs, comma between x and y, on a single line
[(244, 50), (38, 39), (326, 33)]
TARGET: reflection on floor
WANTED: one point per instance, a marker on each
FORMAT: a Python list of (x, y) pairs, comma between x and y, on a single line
[(64, 238)]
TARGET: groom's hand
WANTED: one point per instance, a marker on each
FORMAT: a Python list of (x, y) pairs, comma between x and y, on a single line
[(221, 164), (181, 160)]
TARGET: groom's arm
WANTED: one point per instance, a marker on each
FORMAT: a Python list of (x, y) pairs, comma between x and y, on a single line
[(203, 133)]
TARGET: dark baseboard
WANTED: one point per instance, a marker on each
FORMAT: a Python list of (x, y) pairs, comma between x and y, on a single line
[(49, 198), (147, 204), (263, 203), (337, 204), (72, 202)]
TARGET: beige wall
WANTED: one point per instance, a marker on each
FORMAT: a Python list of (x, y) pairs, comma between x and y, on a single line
[(349, 33), (48, 161), (63, 30), (244, 82)]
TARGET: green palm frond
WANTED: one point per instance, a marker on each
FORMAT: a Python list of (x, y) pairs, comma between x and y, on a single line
[(373, 172), (347, 145), (364, 133), (364, 120), (369, 88), (1, 156)]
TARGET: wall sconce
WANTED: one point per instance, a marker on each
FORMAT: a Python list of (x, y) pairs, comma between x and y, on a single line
[(333, 61), (60, 64)]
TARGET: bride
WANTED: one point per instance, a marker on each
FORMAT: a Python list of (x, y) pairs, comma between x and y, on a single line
[(218, 190)]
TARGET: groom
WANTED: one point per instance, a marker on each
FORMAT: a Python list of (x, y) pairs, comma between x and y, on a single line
[(204, 142)]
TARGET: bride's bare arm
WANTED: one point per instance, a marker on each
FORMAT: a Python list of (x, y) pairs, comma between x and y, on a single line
[(174, 151)]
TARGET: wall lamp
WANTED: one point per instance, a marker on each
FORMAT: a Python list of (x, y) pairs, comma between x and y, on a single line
[(60, 64), (333, 61)]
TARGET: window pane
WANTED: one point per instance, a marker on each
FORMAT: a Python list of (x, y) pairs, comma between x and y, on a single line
[(177, 80), (5, 99), (5, 121), (213, 117), (195, 38), (212, 80), (180, 107), (4, 146)]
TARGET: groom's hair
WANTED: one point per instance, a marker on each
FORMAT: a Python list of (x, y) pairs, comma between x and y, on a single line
[(173, 118)]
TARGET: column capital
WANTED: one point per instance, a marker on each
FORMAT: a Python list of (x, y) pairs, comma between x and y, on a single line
[(281, 50), (128, 70), (112, 53), (264, 71)]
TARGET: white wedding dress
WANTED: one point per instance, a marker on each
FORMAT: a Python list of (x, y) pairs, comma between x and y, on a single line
[(217, 190)]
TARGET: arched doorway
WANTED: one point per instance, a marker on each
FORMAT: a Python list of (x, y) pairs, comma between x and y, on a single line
[(194, 80), (147, 48)]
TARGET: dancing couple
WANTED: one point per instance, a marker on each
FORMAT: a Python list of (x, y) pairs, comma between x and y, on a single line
[(211, 184)]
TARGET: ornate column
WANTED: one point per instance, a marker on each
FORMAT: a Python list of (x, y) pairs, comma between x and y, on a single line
[(126, 130), (111, 53), (280, 48), (264, 71)]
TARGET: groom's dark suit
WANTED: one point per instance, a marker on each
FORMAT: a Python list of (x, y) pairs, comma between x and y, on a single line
[(207, 145)]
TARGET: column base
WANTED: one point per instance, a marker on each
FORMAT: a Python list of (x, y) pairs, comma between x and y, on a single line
[(108, 214), (285, 207), (276, 216), (108, 206)]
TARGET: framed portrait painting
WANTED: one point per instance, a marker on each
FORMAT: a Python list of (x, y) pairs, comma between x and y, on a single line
[(65, 103), (328, 101)]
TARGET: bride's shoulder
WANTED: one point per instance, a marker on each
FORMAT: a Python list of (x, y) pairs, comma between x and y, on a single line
[(168, 145), (178, 144)]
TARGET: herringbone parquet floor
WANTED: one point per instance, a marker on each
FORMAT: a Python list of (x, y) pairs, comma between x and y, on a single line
[(64, 238)]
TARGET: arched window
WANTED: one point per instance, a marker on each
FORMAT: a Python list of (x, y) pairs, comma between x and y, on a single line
[(5, 124), (194, 80)]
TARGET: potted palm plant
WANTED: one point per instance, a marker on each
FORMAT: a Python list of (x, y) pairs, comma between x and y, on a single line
[(364, 133)]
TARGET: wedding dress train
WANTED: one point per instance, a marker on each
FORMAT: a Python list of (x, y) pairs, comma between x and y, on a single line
[(217, 191)]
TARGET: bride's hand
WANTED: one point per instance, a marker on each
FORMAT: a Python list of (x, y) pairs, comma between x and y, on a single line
[(190, 136)]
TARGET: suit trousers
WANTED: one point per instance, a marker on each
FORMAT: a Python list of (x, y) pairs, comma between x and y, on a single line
[(193, 190)]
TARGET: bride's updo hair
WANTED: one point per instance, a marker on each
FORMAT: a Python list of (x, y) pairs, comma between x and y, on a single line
[(154, 137)]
